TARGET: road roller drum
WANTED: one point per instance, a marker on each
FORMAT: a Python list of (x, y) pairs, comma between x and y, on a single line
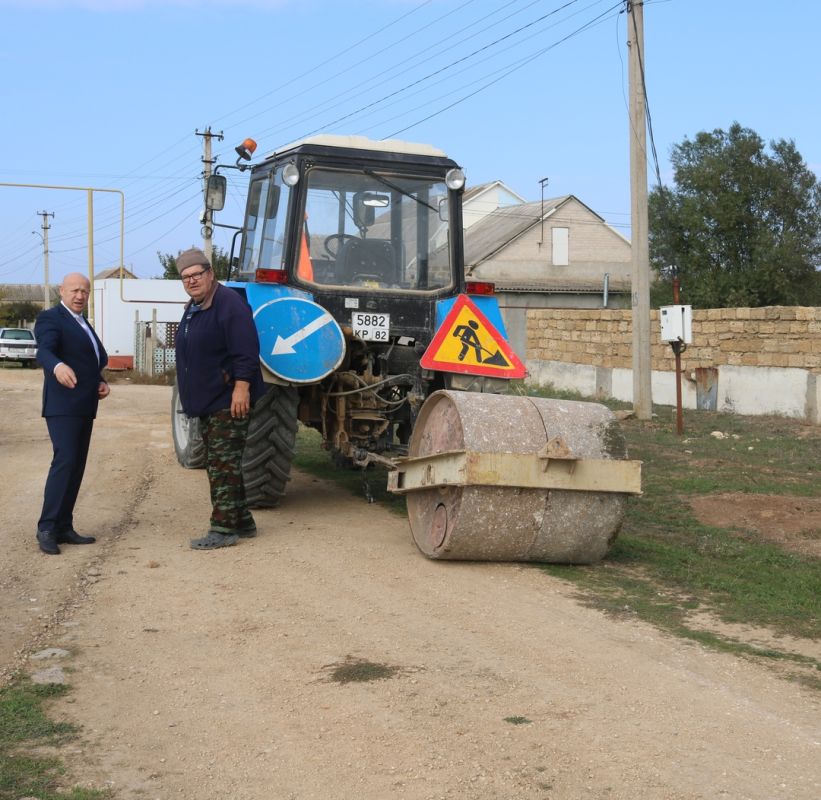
[(510, 478)]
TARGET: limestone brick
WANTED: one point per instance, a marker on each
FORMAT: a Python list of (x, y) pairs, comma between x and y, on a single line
[(777, 336)]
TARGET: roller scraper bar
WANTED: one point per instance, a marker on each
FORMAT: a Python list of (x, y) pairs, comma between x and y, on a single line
[(522, 470)]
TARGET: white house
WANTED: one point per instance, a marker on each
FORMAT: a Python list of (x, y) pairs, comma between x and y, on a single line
[(118, 305), (479, 201)]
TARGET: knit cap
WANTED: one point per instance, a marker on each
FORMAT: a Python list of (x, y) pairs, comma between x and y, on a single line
[(191, 258)]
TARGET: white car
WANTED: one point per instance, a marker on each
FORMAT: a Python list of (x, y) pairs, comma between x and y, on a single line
[(18, 344)]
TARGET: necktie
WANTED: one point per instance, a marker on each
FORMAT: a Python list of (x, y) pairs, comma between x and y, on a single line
[(85, 326)]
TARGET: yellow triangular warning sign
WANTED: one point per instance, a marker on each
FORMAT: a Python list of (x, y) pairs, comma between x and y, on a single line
[(467, 342)]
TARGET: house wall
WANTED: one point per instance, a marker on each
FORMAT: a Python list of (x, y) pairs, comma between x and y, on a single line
[(116, 310), (762, 360), (486, 202), (594, 249)]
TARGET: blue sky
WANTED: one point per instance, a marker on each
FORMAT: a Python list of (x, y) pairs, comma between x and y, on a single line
[(108, 94)]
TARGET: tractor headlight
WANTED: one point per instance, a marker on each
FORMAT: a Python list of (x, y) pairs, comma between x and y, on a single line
[(290, 175), (455, 178)]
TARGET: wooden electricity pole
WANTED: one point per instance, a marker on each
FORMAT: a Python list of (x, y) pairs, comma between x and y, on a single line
[(640, 247), (46, 286), (207, 160)]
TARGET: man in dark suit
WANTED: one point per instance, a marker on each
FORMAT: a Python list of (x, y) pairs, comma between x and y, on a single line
[(72, 357)]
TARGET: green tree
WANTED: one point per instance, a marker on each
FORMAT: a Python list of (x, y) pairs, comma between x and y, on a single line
[(11, 314), (219, 262), (742, 226)]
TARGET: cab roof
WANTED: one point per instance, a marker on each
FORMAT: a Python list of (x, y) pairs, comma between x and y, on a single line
[(363, 143)]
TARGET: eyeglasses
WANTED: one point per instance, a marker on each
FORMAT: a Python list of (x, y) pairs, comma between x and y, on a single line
[(193, 277)]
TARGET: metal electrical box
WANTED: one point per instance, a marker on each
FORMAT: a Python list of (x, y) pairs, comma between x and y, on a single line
[(676, 324)]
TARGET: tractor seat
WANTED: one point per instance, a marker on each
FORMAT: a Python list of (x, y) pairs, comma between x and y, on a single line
[(374, 259)]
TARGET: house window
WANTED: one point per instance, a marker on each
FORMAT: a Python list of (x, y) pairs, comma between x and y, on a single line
[(561, 237)]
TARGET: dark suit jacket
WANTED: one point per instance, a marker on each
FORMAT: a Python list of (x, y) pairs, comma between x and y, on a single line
[(61, 338)]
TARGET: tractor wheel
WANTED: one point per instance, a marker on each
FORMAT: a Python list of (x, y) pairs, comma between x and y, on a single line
[(269, 449), (188, 442)]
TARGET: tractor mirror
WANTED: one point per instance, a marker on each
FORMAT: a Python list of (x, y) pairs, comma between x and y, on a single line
[(444, 209), (215, 192), (374, 200), (365, 205)]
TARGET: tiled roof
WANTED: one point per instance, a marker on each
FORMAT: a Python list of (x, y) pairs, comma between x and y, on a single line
[(25, 292), (502, 226)]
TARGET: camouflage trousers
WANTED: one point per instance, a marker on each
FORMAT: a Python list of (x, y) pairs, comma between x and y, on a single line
[(224, 438)]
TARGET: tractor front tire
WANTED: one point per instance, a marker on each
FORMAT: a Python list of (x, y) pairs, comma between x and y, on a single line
[(188, 443)]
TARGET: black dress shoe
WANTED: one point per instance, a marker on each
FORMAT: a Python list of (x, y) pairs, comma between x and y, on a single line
[(48, 542), (72, 537)]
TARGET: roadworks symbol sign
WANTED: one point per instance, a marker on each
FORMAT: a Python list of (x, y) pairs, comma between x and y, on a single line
[(467, 342)]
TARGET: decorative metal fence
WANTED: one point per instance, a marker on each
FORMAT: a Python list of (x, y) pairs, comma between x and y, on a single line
[(154, 347)]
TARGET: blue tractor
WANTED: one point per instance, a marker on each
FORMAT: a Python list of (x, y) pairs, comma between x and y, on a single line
[(351, 258)]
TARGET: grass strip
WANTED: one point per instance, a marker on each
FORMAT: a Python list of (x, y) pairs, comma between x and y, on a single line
[(24, 727)]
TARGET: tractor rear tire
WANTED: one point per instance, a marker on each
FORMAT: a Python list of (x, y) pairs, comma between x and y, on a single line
[(188, 442), (269, 449)]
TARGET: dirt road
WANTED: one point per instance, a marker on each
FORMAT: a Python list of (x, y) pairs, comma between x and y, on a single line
[(222, 674)]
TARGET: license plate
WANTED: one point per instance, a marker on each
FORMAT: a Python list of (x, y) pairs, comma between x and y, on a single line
[(370, 326)]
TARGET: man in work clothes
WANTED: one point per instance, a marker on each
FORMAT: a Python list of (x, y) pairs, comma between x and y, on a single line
[(219, 379), (72, 357)]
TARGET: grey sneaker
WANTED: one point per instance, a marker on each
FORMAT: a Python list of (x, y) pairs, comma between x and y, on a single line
[(212, 540)]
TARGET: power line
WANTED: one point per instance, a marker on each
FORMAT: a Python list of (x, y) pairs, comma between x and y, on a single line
[(445, 68), (510, 71), (385, 74), (332, 58)]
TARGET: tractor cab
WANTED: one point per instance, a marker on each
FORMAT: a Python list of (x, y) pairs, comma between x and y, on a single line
[(358, 223)]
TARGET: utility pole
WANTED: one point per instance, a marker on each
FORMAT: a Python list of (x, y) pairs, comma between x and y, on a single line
[(640, 247), (207, 160), (543, 182), (46, 227)]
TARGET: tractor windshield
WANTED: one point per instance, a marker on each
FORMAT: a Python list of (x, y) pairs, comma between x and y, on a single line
[(364, 229)]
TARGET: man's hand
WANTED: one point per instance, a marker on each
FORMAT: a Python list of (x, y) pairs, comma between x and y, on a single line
[(65, 376), (103, 390), (241, 400)]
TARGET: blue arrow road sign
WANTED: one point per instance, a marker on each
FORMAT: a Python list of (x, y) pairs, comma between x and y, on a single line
[(299, 341)]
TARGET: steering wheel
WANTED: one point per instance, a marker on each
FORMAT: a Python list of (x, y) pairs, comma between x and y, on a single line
[(340, 238), (362, 278)]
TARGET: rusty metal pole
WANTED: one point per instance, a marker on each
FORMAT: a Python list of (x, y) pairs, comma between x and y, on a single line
[(679, 417), (677, 351)]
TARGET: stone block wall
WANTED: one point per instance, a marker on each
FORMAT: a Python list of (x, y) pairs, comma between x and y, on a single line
[(776, 336)]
